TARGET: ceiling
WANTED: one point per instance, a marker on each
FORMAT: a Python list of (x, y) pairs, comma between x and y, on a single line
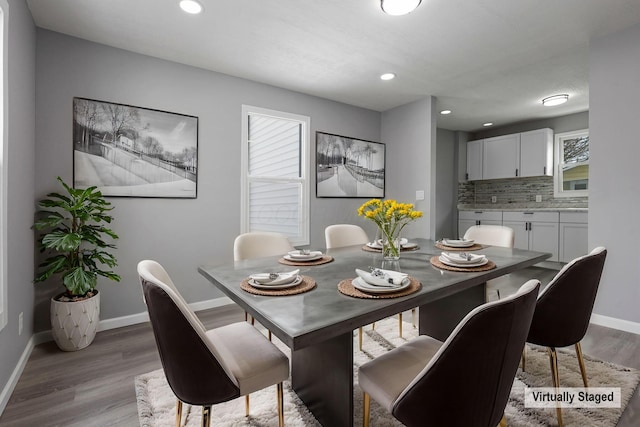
[(486, 60)]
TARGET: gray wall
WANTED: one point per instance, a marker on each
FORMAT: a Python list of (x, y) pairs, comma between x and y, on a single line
[(446, 183), (21, 57), (409, 131), (560, 124), (614, 199), (179, 233)]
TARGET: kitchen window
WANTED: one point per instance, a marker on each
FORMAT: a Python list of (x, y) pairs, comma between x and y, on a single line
[(275, 187), (572, 164)]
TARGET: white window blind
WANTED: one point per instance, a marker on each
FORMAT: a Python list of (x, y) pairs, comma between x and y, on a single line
[(275, 182)]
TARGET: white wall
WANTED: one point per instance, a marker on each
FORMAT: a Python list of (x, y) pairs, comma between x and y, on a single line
[(179, 233), (614, 175), (410, 133), (20, 193)]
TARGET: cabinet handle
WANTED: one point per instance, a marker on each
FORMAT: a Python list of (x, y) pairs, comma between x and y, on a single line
[(466, 176), (544, 170), (516, 172)]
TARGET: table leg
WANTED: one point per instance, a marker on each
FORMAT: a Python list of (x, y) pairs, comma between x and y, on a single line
[(322, 376), (439, 318)]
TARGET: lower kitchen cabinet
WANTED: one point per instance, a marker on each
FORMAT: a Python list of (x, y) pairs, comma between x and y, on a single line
[(535, 231), (573, 235), (468, 218)]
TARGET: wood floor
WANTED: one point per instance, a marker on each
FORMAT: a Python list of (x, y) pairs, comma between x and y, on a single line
[(94, 386)]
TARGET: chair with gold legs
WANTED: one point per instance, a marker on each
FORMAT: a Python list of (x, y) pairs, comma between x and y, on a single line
[(478, 360), (206, 367), (563, 311)]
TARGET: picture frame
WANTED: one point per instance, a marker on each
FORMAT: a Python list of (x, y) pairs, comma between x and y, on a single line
[(349, 167), (129, 151)]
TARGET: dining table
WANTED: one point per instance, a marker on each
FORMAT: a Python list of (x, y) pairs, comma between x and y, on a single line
[(318, 324)]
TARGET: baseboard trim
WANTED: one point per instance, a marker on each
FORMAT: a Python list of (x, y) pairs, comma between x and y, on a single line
[(15, 375), (612, 322)]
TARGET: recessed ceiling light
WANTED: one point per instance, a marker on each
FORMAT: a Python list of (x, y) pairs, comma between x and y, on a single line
[(555, 100), (191, 6), (387, 76), (445, 112), (488, 124), (399, 7)]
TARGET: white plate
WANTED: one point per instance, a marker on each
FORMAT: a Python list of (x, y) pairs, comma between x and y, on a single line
[(360, 284), (458, 243), (455, 264), (296, 282), (409, 245), (374, 245), (298, 258)]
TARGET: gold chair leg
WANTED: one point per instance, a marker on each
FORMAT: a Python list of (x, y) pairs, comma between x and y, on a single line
[(280, 404), (524, 358), (178, 412), (413, 318), (206, 416), (360, 338), (581, 362), (366, 404), (253, 321), (400, 324), (246, 316), (373, 326), (269, 335), (553, 359), (503, 422), (246, 405)]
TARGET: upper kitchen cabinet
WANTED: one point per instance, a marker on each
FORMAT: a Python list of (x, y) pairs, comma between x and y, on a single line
[(501, 157), (474, 160), (523, 154), (536, 153)]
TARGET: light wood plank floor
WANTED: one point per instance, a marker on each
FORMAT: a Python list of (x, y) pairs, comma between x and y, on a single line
[(94, 386)]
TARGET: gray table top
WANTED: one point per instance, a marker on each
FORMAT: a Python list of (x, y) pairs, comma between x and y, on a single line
[(322, 313)]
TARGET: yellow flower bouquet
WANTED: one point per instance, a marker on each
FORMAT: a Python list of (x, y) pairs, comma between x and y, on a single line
[(390, 217)]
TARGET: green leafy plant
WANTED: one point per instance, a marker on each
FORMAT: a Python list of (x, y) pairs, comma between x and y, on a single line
[(75, 232)]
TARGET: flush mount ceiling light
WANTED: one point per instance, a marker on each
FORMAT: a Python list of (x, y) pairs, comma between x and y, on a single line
[(399, 7), (191, 6), (555, 100), (387, 76), (445, 112), (487, 124)]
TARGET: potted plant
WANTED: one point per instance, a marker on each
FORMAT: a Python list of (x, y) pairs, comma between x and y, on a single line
[(74, 238)]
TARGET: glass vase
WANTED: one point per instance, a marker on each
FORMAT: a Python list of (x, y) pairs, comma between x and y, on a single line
[(390, 245)]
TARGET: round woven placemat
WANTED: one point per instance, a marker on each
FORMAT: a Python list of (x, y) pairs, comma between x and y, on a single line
[(325, 259), (437, 263), (369, 249), (347, 288), (307, 284), (474, 247)]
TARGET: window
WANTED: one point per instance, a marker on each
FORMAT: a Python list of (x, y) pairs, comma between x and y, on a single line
[(572, 164), (3, 169), (275, 187)]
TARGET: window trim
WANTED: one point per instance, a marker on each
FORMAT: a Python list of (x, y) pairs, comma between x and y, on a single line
[(4, 149), (558, 176), (305, 122)]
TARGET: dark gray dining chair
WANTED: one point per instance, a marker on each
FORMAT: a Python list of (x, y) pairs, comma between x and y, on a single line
[(206, 367), (563, 311), (478, 360)]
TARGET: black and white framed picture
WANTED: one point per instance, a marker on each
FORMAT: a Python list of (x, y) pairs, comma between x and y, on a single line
[(349, 167), (133, 151)]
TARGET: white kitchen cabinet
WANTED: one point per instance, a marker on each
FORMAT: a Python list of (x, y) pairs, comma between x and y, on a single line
[(468, 218), (474, 160), (535, 231), (536, 153), (501, 157), (573, 235)]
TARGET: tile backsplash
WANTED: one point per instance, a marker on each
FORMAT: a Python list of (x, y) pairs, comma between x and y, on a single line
[(516, 193)]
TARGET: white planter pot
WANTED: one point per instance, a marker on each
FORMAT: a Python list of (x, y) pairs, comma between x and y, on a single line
[(74, 324)]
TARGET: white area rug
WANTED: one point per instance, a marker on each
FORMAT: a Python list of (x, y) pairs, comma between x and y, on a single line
[(156, 402)]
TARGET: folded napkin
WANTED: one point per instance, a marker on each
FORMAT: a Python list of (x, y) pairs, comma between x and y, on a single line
[(385, 278), (281, 279), (378, 243), (457, 242), (299, 254), (463, 258)]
